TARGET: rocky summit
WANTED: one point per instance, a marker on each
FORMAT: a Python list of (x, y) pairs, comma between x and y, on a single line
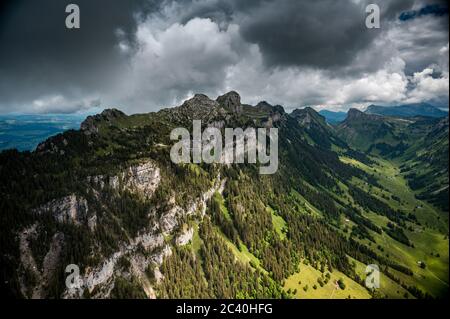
[(231, 101)]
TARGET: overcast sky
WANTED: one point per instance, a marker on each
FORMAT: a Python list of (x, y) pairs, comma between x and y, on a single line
[(143, 55)]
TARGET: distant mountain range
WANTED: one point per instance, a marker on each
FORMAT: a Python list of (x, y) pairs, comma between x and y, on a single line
[(407, 110)]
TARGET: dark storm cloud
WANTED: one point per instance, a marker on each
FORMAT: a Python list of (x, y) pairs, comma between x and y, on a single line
[(320, 33), (419, 50), (435, 9), (323, 33), (40, 56), (142, 54)]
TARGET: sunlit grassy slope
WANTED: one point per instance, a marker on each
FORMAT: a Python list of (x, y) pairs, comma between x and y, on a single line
[(305, 285), (430, 240)]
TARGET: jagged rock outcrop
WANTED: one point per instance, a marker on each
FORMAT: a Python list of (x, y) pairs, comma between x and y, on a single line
[(200, 101), (53, 145), (200, 107), (185, 237), (90, 125), (225, 111), (169, 220), (355, 114), (103, 274), (309, 119), (158, 275), (231, 101), (143, 178), (274, 113), (152, 241), (69, 209)]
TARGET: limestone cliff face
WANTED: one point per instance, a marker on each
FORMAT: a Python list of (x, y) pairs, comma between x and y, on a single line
[(147, 250), (231, 101), (41, 274), (185, 237), (143, 178), (102, 276), (69, 209), (155, 250)]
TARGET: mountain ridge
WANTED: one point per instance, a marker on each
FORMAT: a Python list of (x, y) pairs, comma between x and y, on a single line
[(109, 198), (407, 110)]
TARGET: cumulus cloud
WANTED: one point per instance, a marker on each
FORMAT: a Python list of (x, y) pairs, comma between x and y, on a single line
[(418, 42), (296, 87), (156, 53), (428, 88), (175, 62), (210, 58)]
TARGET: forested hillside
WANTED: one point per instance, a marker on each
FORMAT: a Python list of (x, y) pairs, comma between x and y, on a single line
[(108, 198)]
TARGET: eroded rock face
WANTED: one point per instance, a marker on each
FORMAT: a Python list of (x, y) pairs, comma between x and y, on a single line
[(145, 251), (42, 275), (158, 275), (185, 237), (152, 241), (143, 178), (92, 222), (231, 101), (69, 209), (26, 257), (103, 275), (169, 220), (90, 125), (54, 145), (200, 101), (52, 257)]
